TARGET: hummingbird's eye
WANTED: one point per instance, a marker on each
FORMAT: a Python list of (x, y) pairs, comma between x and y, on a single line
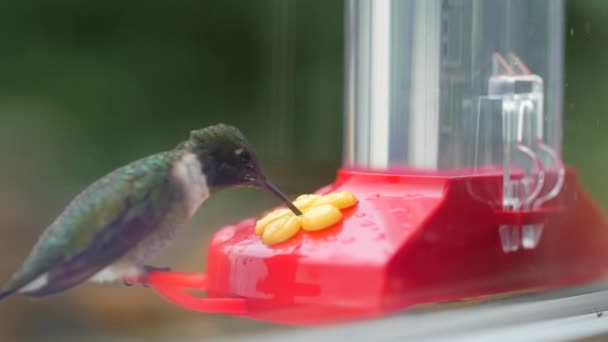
[(243, 155)]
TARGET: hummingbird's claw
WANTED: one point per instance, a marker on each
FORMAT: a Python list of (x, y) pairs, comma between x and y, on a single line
[(143, 278), (128, 282)]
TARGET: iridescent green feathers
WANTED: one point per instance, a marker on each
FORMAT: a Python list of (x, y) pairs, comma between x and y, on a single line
[(104, 221), (219, 134)]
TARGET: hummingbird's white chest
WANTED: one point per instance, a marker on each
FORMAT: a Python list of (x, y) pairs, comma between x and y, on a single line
[(187, 174)]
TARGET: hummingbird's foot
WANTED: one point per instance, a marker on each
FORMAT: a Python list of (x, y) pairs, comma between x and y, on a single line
[(148, 269)]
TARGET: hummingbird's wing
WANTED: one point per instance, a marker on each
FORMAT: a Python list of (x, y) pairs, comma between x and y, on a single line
[(100, 225)]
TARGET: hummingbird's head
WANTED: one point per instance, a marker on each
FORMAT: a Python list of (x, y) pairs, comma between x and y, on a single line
[(227, 160)]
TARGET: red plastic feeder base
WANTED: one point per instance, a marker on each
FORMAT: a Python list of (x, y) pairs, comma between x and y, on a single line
[(411, 239)]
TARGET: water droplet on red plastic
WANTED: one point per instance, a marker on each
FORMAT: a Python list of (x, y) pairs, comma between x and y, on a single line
[(367, 224), (380, 236), (349, 240), (373, 196)]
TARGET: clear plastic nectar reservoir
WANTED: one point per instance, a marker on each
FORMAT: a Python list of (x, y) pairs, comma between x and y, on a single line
[(426, 78)]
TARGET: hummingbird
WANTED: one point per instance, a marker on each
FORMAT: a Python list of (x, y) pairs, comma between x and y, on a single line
[(110, 229)]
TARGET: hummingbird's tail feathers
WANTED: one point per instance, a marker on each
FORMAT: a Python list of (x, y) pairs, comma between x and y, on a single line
[(17, 282), (63, 277), (7, 292)]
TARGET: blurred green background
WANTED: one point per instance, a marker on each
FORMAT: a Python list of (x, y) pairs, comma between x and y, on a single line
[(88, 86)]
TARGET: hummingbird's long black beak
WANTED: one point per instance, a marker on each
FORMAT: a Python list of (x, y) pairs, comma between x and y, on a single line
[(266, 185)]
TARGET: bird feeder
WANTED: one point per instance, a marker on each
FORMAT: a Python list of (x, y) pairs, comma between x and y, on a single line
[(453, 113)]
